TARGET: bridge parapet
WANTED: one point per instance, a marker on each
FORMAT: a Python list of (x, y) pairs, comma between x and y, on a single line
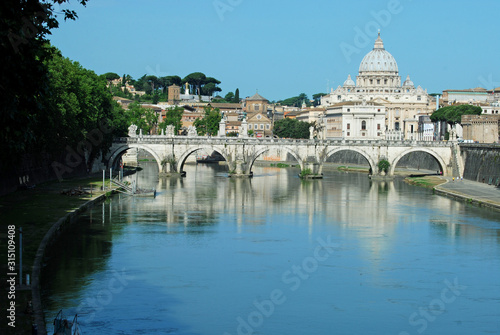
[(161, 139), (240, 153)]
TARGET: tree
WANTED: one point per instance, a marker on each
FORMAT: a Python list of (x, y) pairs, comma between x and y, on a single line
[(209, 124), (237, 96), (110, 76), (291, 128), (24, 83), (453, 114), (209, 89), (173, 116), (229, 97), (143, 118), (77, 106), (196, 80), (167, 81), (317, 98)]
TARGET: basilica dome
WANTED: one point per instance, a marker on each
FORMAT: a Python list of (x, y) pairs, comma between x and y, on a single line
[(378, 60)]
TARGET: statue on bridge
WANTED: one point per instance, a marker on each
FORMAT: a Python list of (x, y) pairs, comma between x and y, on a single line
[(132, 130), (192, 131), (170, 130)]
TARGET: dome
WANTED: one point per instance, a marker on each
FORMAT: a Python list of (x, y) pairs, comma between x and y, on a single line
[(378, 60), (408, 82), (349, 82)]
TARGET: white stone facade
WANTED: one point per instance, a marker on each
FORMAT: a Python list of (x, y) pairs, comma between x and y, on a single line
[(355, 120), (379, 82)]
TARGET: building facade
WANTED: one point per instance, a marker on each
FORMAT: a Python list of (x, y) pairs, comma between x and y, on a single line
[(355, 120), (378, 82), (481, 128)]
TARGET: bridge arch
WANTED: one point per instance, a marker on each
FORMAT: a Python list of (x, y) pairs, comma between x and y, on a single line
[(371, 162), (118, 151), (437, 157), (185, 155), (259, 152)]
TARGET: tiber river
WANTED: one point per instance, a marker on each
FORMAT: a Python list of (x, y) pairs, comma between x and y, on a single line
[(276, 255)]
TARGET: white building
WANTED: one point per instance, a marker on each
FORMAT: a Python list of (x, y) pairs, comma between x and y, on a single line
[(355, 120), (378, 82)]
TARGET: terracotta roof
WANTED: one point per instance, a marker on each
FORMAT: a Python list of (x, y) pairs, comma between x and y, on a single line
[(226, 105), (256, 96)]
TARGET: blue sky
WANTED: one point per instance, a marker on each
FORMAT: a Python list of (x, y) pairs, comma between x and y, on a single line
[(284, 48)]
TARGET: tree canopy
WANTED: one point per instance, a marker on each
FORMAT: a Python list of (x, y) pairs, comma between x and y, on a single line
[(296, 101), (291, 128), (209, 124), (453, 114), (173, 116), (24, 81)]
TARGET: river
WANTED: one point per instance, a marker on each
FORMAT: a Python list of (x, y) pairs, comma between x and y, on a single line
[(277, 255)]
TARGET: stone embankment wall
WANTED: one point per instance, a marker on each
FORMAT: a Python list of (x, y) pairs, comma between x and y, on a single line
[(33, 170), (481, 162)]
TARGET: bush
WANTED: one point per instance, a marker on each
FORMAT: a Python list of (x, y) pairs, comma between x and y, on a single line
[(383, 165)]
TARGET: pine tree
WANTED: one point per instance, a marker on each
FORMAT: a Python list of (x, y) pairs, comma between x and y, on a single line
[(237, 96)]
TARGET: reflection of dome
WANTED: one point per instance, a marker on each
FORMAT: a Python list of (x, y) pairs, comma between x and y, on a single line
[(349, 82), (378, 60), (408, 82)]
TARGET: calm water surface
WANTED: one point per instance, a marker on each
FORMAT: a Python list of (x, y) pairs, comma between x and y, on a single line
[(276, 255)]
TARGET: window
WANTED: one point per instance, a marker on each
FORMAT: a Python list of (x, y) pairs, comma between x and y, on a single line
[(363, 125), (378, 126), (339, 97), (419, 97), (262, 126), (256, 107), (259, 116), (378, 81), (268, 126), (371, 81), (348, 134), (385, 81), (396, 126), (348, 109), (348, 126), (363, 134)]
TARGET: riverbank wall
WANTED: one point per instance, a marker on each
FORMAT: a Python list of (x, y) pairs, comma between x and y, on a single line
[(481, 162), (50, 237)]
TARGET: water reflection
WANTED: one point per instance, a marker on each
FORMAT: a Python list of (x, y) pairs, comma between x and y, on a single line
[(201, 253)]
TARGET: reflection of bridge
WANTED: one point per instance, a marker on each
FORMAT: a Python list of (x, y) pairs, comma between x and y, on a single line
[(171, 152)]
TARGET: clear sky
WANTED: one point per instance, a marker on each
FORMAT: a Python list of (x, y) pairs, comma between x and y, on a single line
[(284, 48)]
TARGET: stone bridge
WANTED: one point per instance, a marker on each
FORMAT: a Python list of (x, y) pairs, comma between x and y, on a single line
[(171, 152)]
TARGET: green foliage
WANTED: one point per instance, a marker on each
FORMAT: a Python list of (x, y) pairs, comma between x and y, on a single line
[(232, 134), (195, 80), (109, 76), (209, 124), (173, 116), (296, 101), (305, 172), (291, 128), (453, 114), (317, 98), (250, 132), (236, 96), (78, 105), (383, 165), (24, 82), (143, 118)]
